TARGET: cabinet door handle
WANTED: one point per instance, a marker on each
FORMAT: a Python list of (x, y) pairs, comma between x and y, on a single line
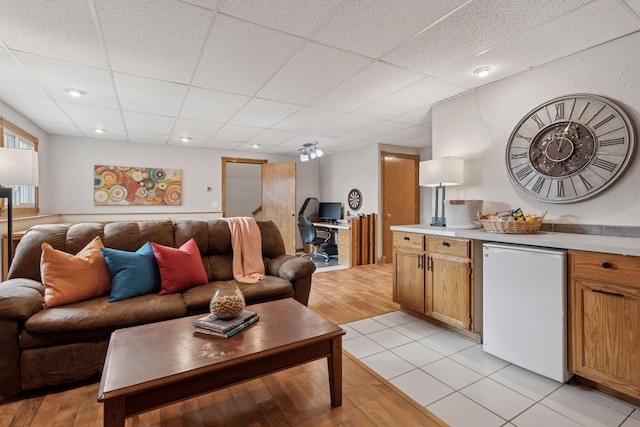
[(420, 261), (606, 265), (446, 244), (613, 294), (428, 263)]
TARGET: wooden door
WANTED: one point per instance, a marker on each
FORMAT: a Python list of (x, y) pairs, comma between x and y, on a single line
[(400, 195), (279, 200)]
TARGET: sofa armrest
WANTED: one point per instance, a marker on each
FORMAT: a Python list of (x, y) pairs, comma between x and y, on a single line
[(296, 270), (20, 298)]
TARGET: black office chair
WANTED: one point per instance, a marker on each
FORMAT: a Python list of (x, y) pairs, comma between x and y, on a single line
[(318, 239)]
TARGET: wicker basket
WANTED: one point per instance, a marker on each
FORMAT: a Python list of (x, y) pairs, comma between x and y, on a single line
[(512, 227)]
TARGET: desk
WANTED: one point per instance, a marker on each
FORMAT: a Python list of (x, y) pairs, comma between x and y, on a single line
[(344, 240)]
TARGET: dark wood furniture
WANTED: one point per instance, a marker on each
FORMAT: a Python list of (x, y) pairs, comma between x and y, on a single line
[(156, 364)]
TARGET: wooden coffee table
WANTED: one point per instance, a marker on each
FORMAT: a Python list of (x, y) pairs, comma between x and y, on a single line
[(152, 365)]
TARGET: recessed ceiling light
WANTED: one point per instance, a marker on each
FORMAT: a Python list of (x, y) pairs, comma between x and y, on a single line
[(75, 92), (482, 71), (185, 139), (255, 146), (99, 130)]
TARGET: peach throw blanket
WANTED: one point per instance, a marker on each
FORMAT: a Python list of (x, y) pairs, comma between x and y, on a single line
[(246, 241)]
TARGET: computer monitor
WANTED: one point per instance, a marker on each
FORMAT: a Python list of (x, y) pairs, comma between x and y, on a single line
[(330, 211)]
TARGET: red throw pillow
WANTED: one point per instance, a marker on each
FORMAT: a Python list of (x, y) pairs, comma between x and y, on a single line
[(181, 268)]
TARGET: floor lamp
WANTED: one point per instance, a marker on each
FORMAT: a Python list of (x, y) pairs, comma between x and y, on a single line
[(17, 167), (440, 173)]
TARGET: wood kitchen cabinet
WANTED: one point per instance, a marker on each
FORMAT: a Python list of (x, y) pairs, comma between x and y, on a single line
[(604, 322), (448, 290), (409, 270), (434, 276)]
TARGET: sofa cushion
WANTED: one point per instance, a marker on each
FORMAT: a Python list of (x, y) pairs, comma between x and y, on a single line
[(98, 313), (197, 299), (180, 268), (132, 273), (72, 278)]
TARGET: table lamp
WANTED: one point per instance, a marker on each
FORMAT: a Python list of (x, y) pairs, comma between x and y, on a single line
[(17, 167), (440, 173)]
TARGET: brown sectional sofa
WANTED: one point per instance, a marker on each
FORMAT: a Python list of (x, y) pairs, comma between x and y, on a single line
[(68, 343)]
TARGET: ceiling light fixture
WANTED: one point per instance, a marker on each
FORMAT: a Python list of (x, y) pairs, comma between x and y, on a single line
[(482, 71), (98, 130), (185, 139), (256, 146), (75, 92), (310, 150)]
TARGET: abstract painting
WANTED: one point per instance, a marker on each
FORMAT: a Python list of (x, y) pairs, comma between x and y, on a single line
[(130, 185)]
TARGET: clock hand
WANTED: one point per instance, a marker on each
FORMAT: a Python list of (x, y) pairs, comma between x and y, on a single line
[(564, 133)]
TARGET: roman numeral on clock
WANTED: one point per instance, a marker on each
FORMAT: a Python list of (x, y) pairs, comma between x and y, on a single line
[(608, 142), (559, 110), (522, 173), (604, 164), (586, 183), (603, 121), (560, 188), (538, 185), (519, 155), (538, 121), (523, 137)]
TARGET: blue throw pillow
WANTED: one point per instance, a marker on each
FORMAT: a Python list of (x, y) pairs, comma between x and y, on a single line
[(132, 273)]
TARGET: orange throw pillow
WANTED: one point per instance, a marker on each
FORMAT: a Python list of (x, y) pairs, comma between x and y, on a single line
[(180, 269), (72, 278)]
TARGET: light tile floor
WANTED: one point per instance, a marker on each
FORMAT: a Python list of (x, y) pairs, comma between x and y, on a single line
[(452, 377)]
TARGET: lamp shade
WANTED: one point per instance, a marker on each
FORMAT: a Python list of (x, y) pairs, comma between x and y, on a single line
[(18, 167), (441, 172)]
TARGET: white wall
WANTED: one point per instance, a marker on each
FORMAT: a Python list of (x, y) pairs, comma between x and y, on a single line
[(476, 127), (426, 193), (73, 160)]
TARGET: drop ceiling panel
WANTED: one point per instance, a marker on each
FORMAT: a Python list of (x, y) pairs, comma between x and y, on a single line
[(15, 80), (346, 124), (307, 118), (148, 138), (196, 128), (109, 135), (405, 134), (420, 116), (376, 130), (477, 26), (148, 123), (634, 5), (55, 76), (237, 133), (377, 80), (207, 4), (423, 93), (343, 145), (221, 144), (599, 21), (311, 72), (418, 142), (300, 17), (373, 27), (195, 142), (53, 128), (37, 108), (263, 113), (149, 96), (211, 105), (56, 29), (249, 147), (149, 37), (240, 57), (94, 117), (273, 137)]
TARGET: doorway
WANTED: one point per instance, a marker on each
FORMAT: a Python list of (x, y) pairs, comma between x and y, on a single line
[(400, 195), (242, 187)]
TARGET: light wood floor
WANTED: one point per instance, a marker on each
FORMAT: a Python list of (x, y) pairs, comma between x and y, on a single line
[(294, 397)]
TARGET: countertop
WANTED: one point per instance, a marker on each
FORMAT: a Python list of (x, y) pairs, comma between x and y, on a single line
[(585, 242)]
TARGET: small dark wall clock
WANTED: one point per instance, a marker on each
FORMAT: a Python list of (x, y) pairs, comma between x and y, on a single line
[(355, 199), (570, 148)]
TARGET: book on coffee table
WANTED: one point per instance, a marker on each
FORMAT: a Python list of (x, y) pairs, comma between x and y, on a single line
[(229, 332), (213, 323)]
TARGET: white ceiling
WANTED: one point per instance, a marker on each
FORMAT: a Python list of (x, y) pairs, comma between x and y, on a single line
[(277, 73)]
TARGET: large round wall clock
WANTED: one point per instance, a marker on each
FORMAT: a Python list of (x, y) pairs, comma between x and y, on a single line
[(570, 148)]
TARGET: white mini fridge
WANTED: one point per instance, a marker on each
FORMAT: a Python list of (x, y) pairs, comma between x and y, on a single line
[(525, 307)]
